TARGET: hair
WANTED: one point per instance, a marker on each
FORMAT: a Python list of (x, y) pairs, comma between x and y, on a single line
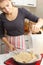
[(1, 0)]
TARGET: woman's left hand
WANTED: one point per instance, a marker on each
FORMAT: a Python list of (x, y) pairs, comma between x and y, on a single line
[(35, 29)]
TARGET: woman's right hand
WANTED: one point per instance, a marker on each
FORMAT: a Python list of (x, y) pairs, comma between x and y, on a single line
[(11, 48)]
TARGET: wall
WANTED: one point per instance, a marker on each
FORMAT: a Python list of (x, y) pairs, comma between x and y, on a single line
[(38, 10)]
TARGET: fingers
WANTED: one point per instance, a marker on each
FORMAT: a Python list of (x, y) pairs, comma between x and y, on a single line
[(35, 29), (12, 48)]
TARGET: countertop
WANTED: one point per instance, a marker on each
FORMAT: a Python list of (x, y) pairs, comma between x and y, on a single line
[(4, 57)]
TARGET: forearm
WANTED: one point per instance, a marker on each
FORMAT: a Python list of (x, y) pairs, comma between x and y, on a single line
[(4, 39)]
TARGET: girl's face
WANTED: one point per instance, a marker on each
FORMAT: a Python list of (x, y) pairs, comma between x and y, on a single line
[(6, 6)]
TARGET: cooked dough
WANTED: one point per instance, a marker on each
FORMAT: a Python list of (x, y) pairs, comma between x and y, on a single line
[(24, 57)]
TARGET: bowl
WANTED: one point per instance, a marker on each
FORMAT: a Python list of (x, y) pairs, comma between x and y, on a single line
[(33, 61)]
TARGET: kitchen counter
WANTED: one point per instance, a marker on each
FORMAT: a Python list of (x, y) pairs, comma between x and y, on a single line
[(4, 57)]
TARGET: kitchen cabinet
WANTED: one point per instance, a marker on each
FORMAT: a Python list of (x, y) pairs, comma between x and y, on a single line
[(0, 49), (31, 3), (3, 48)]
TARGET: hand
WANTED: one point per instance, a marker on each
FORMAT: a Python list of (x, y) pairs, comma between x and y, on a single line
[(35, 29), (11, 48)]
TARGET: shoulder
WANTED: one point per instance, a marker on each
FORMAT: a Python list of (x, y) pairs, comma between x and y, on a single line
[(23, 9), (1, 15)]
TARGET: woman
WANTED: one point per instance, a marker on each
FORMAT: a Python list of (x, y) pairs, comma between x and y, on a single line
[(12, 21)]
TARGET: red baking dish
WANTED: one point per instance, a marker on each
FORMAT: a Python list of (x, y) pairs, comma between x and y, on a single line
[(11, 61)]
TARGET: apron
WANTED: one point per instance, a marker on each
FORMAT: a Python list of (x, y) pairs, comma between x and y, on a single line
[(17, 41)]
